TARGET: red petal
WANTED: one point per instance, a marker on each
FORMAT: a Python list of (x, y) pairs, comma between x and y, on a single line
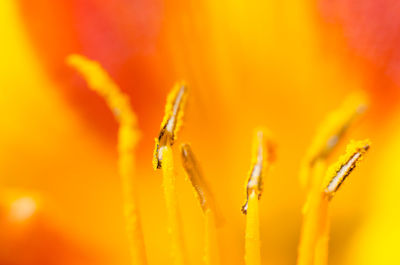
[(371, 29)]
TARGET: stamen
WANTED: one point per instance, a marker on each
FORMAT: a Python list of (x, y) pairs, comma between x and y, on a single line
[(331, 132), (172, 121), (341, 169), (313, 247), (315, 213), (163, 159), (207, 204), (263, 154), (128, 135)]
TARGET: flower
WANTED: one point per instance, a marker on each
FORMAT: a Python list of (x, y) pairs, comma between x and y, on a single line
[(248, 64)]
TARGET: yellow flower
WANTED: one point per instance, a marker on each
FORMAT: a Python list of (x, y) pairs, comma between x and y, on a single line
[(246, 64)]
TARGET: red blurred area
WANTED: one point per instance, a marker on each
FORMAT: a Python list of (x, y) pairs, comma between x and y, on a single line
[(370, 32), (132, 40), (122, 35)]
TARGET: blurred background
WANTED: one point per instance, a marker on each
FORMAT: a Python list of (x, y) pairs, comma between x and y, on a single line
[(281, 64)]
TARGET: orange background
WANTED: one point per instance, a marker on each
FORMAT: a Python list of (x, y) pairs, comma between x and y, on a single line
[(280, 64)]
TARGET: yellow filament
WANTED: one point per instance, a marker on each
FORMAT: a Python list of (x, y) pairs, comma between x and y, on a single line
[(330, 132), (313, 211), (128, 135), (211, 255), (172, 121), (252, 240), (321, 246), (203, 194), (174, 223)]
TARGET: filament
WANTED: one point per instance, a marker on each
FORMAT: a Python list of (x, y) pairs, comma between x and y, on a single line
[(211, 253), (206, 201), (252, 238), (174, 222), (99, 81), (313, 212)]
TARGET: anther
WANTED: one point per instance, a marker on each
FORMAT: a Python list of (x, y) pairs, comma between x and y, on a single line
[(263, 154), (337, 174), (331, 131), (172, 121), (196, 178)]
